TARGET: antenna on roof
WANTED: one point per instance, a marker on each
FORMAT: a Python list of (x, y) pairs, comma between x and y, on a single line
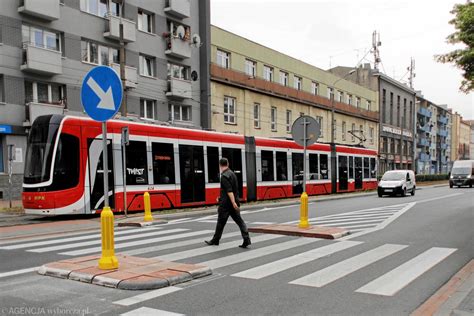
[(376, 43)]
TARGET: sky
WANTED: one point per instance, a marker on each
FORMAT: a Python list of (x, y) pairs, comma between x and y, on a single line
[(329, 33)]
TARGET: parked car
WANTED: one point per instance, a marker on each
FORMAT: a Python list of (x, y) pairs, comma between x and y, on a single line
[(397, 182), (462, 173)]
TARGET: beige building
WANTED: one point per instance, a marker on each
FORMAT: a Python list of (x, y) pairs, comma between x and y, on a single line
[(461, 138), (257, 91)]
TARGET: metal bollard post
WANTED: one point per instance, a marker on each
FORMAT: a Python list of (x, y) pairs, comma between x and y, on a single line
[(146, 199), (304, 211), (108, 261)]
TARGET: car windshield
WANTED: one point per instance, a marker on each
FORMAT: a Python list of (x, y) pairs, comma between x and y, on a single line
[(460, 171), (393, 176)]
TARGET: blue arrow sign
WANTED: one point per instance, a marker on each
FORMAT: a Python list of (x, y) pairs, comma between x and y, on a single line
[(101, 93)]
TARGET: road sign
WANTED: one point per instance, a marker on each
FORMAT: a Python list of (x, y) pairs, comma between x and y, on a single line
[(101, 93), (305, 124)]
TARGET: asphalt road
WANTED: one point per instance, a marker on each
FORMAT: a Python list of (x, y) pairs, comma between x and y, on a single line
[(401, 251)]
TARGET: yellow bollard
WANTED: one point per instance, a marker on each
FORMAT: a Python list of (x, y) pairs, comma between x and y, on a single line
[(304, 211), (146, 199), (108, 261)]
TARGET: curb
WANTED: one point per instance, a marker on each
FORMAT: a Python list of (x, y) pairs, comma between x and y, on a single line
[(294, 230), (141, 224)]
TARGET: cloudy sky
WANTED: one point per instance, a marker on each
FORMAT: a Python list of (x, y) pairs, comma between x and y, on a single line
[(339, 32)]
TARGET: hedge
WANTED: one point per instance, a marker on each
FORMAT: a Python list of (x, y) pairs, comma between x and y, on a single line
[(431, 177)]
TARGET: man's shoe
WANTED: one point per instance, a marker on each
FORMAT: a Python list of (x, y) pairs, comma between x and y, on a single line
[(211, 242), (246, 243)]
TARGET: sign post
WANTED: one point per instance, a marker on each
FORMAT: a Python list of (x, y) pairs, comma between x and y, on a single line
[(125, 142), (11, 158), (305, 131), (101, 96)]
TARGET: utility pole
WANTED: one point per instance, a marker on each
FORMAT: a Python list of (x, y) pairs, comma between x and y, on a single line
[(411, 69), (376, 43), (123, 106)]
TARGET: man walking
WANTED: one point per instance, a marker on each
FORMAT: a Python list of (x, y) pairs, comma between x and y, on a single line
[(229, 205)]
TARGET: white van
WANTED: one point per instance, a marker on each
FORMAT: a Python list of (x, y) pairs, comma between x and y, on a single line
[(462, 173), (397, 182)]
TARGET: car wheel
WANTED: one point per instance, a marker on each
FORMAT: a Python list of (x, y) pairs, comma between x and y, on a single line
[(451, 185), (413, 191), (459, 186), (470, 185), (380, 194), (404, 192)]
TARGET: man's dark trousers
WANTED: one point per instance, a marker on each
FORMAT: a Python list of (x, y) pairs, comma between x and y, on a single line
[(222, 217)]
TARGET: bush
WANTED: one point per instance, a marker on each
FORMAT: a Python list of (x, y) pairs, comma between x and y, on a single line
[(431, 177)]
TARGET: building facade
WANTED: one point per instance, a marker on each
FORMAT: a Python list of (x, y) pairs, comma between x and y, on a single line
[(464, 151), (48, 46), (257, 91), (397, 116)]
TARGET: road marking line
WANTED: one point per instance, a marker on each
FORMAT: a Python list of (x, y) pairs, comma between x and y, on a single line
[(208, 221), (257, 253), (388, 213), (439, 197), (179, 220), (353, 226), (147, 296), (393, 281), (16, 272), (351, 221), (138, 242), (64, 240), (293, 261), (98, 241), (262, 223), (341, 269), (147, 311), (207, 249)]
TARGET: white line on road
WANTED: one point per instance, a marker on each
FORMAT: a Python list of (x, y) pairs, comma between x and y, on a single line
[(439, 197), (393, 281), (343, 268), (147, 296), (349, 221), (147, 311), (16, 272)]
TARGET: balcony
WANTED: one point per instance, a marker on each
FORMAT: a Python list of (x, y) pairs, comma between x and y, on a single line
[(177, 47), (44, 9), (443, 119), (41, 60), (131, 76), (425, 128), (35, 109), (424, 112), (442, 133), (113, 29), (178, 88), (178, 8), (443, 146), (424, 157), (422, 142)]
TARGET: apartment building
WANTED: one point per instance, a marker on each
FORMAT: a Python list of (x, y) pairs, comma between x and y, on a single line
[(461, 138), (397, 115), (47, 46), (257, 91)]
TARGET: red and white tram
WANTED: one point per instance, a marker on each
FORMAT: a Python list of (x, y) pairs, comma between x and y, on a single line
[(177, 166)]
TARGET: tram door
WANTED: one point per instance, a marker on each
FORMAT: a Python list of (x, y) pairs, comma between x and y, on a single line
[(297, 164), (96, 173), (234, 155), (358, 172), (342, 166), (191, 163)]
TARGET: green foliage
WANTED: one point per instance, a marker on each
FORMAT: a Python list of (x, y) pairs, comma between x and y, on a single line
[(431, 177), (463, 58)]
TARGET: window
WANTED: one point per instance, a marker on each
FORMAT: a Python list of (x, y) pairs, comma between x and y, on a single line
[(284, 78), (340, 96), (268, 73), (371, 135), (373, 169), (324, 166), (136, 163), (213, 172), (267, 165), (100, 7), (98, 54), (179, 113), (330, 93), (223, 59), (145, 21), (369, 105), (398, 110), (315, 88), (319, 119), (313, 167), (288, 121), (148, 109), (179, 71), (353, 131), (349, 99), (335, 129), (404, 118), (351, 167), (343, 130), (281, 166), (256, 115), (391, 114), (147, 66), (163, 163), (229, 110), (273, 115), (41, 38), (298, 83), (384, 103), (366, 168), (66, 165), (250, 68), (2, 166), (48, 93), (2, 91), (357, 102)]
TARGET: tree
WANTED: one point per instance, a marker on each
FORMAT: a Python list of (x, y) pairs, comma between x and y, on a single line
[(463, 58)]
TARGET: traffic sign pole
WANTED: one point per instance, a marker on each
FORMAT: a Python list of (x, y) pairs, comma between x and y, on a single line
[(304, 196), (105, 164)]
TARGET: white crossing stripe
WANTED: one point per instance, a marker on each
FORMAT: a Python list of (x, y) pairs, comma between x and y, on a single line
[(341, 269), (262, 223), (294, 261), (257, 253), (17, 272), (174, 245), (353, 226), (173, 221), (98, 241), (373, 222), (348, 220), (64, 240), (393, 281), (147, 311), (147, 296), (208, 249), (386, 214), (208, 221), (139, 242)]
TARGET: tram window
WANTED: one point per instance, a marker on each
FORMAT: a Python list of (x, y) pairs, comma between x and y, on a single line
[(66, 165), (136, 163), (163, 163), (313, 167), (267, 165), (373, 172), (351, 167), (281, 166), (366, 168), (213, 164), (323, 160)]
